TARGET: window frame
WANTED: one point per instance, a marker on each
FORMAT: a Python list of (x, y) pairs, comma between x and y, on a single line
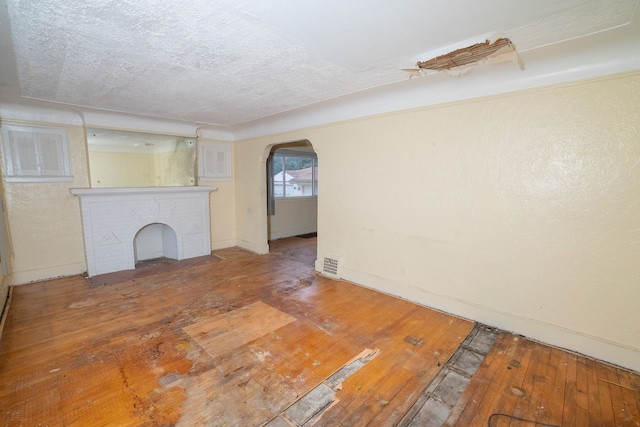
[(11, 151), (294, 153)]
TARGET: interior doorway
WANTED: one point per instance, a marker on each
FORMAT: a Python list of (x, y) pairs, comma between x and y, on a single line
[(292, 191)]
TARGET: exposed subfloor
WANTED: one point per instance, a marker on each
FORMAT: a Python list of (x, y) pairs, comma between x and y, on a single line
[(434, 406), (252, 340)]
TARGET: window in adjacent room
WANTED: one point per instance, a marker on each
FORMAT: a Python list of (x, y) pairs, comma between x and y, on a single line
[(294, 173), (35, 154)]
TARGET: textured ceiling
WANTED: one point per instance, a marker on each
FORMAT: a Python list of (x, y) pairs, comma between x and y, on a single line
[(230, 62)]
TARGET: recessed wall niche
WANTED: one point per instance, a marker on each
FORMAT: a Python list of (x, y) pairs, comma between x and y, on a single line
[(135, 159)]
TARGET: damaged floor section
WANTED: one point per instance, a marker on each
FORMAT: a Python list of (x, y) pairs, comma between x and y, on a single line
[(310, 408), (431, 409), (434, 406)]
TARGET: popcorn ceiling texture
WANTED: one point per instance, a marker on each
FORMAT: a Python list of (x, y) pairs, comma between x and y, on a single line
[(230, 62)]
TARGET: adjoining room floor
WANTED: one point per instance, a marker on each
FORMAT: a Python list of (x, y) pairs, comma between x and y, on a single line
[(257, 340)]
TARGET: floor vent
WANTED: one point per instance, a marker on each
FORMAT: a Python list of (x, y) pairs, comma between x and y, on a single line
[(330, 267)]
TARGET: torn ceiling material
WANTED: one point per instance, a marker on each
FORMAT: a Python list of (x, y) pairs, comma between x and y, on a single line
[(462, 61)]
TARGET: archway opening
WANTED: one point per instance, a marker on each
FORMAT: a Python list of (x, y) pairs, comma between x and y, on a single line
[(291, 223), (292, 183)]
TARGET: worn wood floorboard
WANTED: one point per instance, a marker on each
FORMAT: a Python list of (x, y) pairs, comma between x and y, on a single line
[(527, 384), (403, 369)]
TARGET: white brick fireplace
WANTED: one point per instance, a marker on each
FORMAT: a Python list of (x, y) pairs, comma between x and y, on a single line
[(112, 217)]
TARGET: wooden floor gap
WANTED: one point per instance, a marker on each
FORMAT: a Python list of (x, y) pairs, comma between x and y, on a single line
[(309, 408), (435, 404)]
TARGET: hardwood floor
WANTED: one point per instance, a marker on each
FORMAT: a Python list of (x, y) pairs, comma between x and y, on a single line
[(251, 340), (521, 379)]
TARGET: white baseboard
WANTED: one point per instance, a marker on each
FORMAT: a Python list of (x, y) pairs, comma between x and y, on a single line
[(260, 249), (593, 346), (223, 244), (24, 277)]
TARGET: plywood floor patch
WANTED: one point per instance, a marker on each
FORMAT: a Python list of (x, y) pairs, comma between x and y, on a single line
[(224, 333)]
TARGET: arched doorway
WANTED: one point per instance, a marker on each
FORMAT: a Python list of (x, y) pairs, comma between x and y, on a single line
[(292, 191), (154, 241)]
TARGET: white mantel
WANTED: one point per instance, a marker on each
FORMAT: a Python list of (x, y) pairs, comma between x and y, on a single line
[(113, 216)]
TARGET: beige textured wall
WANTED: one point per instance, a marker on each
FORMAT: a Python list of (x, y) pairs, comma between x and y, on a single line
[(44, 221), (520, 211)]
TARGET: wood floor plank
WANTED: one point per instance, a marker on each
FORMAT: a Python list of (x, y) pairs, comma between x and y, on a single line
[(570, 401), (525, 405), (502, 375), (583, 410), (630, 394), (619, 406), (541, 381), (604, 394), (595, 411), (520, 365), (554, 387), (552, 400), (412, 344)]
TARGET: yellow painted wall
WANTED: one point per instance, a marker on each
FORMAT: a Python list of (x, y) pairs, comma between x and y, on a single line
[(45, 223), (223, 215), (114, 169), (521, 211), (222, 208)]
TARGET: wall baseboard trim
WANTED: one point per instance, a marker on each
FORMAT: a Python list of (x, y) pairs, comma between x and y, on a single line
[(256, 248), (557, 336), (25, 277), (223, 244)]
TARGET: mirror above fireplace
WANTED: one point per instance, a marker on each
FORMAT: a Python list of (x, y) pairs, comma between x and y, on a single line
[(134, 159)]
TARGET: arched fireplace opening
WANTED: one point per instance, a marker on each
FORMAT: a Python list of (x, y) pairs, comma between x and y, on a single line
[(155, 241)]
